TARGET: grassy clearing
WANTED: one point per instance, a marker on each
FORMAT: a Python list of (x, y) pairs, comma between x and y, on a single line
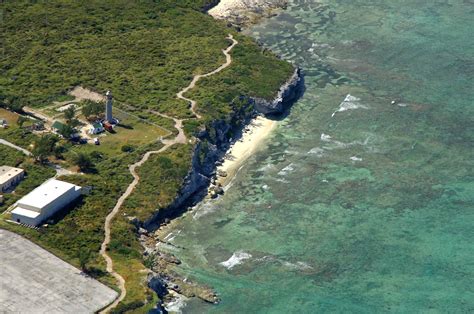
[(131, 131), (145, 52), (10, 116)]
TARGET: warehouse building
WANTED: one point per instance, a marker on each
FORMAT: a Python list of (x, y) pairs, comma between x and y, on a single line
[(44, 201), (9, 177)]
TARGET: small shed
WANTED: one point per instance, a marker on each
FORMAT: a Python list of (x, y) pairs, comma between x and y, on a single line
[(108, 126), (96, 128)]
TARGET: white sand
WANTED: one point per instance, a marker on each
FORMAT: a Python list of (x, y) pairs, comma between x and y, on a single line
[(251, 141)]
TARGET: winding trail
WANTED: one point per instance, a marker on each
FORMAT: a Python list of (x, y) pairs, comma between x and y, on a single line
[(179, 139), (199, 76), (108, 223)]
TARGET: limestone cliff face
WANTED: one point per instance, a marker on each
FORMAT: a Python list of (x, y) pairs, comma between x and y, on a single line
[(288, 93), (211, 145), (214, 141)]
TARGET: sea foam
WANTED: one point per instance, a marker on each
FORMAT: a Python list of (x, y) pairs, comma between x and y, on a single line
[(286, 170), (204, 209), (297, 266), (236, 259), (317, 151), (349, 103)]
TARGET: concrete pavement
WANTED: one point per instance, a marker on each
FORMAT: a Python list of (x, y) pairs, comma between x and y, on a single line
[(32, 280)]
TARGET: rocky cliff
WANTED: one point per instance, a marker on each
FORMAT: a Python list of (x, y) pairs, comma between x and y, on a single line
[(211, 145), (288, 93), (214, 141)]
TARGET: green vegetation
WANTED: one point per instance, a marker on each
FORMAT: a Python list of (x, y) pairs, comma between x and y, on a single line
[(161, 178), (145, 52), (19, 136), (44, 146), (92, 110), (84, 162)]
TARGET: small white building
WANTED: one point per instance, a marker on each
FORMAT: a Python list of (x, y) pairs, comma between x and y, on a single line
[(9, 177), (96, 128), (44, 201)]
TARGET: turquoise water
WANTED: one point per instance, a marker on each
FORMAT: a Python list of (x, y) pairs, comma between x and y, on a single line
[(356, 206)]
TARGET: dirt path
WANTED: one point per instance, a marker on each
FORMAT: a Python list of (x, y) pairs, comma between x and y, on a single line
[(178, 124), (199, 76), (179, 139), (108, 223), (7, 143)]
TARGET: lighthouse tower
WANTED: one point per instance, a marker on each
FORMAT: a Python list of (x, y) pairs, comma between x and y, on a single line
[(108, 108)]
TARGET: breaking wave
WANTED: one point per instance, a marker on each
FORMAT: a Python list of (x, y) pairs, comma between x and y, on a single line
[(205, 209), (286, 170), (301, 266), (349, 103), (317, 151), (333, 144), (297, 265), (178, 303), (236, 259)]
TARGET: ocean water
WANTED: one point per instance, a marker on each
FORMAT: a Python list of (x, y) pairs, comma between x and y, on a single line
[(356, 204)]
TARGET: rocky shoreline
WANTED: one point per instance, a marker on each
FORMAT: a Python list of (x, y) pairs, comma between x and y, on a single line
[(211, 146), (203, 174)]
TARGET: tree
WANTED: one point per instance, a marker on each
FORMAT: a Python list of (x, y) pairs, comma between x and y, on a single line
[(84, 162), (58, 151), (21, 120), (127, 148), (43, 147), (91, 109), (69, 114), (84, 258), (66, 131)]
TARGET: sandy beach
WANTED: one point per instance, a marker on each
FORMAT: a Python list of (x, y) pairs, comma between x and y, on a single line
[(252, 138)]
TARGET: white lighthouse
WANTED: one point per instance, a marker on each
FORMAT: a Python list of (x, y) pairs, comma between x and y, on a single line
[(108, 108)]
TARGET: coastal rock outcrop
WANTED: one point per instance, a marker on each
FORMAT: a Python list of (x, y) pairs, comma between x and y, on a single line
[(214, 141), (244, 12), (287, 95)]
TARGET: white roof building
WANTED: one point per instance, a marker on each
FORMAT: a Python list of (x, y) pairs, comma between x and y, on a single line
[(44, 201), (10, 176)]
